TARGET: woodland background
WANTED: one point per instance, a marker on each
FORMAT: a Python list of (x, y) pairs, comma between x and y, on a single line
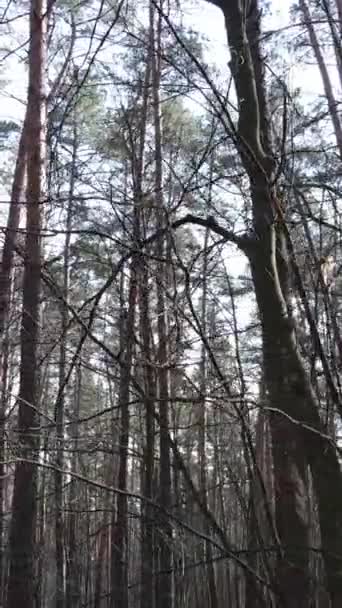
[(170, 304)]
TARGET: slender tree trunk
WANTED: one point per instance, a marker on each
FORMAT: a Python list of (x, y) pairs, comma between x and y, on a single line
[(6, 270), (3, 403), (165, 591), (100, 563), (339, 13), (100, 575), (202, 430), (42, 535), (149, 378), (21, 583), (8, 251), (59, 414), (73, 575), (119, 538), (339, 10), (336, 31), (328, 90)]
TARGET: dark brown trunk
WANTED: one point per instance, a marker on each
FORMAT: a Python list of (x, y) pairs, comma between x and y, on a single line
[(21, 583)]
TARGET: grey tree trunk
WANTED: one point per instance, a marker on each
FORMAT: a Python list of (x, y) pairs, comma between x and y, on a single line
[(119, 532), (165, 588), (6, 271), (147, 594), (328, 89), (73, 574), (60, 402), (17, 196), (211, 591)]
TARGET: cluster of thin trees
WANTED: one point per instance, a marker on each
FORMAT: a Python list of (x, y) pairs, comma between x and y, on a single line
[(170, 317)]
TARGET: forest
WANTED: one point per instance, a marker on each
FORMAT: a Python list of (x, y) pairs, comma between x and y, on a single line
[(170, 313)]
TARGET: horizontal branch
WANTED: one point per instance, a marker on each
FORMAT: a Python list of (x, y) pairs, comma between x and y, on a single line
[(242, 241)]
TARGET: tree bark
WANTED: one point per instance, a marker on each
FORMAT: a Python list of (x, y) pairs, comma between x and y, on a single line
[(289, 390), (147, 543), (336, 31), (21, 583), (3, 403), (119, 532), (328, 90), (60, 402), (212, 598), (73, 577), (11, 233), (6, 270), (165, 590), (149, 377)]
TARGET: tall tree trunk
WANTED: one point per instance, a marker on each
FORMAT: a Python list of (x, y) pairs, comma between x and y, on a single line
[(6, 270), (59, 413), (3, 403), (212, 599), (339, 13), (149, 377), (17, 195), (288, 387), (165, 591), (259, 535), (21, 583), (100, 560), (73, 575), (328, 90), (147, 543), (119, 533), (336, 31)]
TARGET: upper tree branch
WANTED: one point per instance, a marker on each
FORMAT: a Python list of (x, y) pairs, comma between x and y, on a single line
[(243, 38), (243, 241)]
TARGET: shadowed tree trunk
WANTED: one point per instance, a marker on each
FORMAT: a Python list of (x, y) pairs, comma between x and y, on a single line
[(259, 533), (6, 270), (288, 387), (336, 31), (165, 592), (119, 532), (21, 583), (17, 195), (60, 403), (73, 573), (211, 592), (149, 377)]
